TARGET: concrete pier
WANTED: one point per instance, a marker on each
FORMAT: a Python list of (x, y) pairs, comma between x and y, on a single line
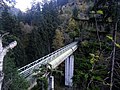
[(51, 83), (69, 69)]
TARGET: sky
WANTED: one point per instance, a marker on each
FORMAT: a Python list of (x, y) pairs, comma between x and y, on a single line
[(24, 4)]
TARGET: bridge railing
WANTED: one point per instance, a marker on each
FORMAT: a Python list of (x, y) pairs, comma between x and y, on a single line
[(28, 69)]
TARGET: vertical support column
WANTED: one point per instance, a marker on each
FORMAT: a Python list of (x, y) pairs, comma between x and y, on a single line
[(66, 71), (51, 83), (69, 69)]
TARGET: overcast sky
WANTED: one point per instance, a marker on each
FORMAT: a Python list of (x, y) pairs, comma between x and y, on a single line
[(24, 4)]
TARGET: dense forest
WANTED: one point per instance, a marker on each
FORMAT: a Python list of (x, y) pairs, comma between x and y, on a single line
[(50, 25)]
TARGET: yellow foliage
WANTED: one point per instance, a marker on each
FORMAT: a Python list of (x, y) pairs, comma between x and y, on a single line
[(72, 24), (58, 41), (116, 44), (94, 58), (109, 37), (100, 12)]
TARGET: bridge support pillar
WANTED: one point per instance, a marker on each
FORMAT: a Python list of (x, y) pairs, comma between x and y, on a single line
[(69, 69), (51, 83)]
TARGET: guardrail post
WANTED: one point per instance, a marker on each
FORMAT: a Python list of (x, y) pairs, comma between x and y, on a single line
[(69, 69)]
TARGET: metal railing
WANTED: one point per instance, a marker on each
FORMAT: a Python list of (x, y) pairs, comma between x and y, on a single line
[(28, 69)]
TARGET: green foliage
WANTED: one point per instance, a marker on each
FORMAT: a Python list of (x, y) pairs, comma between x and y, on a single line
[(19, 52), (11, 25), (73, 34), (75, 12), (42, 81), (90, 70), (38, 42), (12, 80)]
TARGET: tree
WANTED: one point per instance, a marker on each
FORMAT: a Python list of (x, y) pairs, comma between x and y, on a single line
[(75, 12), (41, 76), (51, 20), (12, 80), (8, 22), (58, 40), (35, 47)]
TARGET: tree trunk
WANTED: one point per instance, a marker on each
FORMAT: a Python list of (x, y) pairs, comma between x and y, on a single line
[(113, 56)]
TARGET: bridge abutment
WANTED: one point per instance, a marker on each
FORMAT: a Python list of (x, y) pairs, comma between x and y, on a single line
[(69, 69)]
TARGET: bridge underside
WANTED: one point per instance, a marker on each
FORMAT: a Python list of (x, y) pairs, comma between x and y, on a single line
[(56, 62)]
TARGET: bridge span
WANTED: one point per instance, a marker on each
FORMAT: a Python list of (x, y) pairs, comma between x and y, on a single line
[(54, 59)]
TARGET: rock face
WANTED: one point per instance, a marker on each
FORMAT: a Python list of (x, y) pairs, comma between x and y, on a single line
[(81, 6)]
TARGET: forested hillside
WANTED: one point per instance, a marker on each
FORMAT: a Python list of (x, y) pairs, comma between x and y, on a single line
[(50, 25)]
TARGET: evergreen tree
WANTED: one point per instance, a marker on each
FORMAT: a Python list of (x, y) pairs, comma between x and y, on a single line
[(12, 80), (8, 22), (75, 13)]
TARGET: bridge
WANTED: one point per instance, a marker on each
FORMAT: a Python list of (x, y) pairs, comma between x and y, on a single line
[(54, 59)]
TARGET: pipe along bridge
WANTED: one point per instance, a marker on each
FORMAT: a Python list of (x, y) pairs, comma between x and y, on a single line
[(54, 59)]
